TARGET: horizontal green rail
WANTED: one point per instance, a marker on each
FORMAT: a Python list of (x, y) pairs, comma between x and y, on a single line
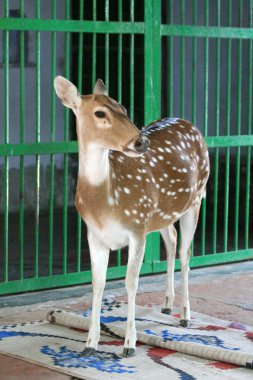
[(206, 260), (54, 281), (206, 31), (77, 278), (38, 148), (229, 141), (122, 27), (72, 147), (71, 26)]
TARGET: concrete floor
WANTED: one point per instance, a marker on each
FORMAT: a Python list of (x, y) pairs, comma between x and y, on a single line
[(221, 291)]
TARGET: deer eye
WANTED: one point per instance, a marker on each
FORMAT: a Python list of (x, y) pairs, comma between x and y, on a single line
[(100, 114)]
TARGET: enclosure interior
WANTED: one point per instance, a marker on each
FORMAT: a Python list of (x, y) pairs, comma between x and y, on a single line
[(189, 59)]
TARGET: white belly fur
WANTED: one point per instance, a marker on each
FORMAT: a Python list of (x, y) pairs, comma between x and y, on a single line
[(113, 235)]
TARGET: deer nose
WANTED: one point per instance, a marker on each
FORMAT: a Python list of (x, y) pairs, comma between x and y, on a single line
[(141, 144)]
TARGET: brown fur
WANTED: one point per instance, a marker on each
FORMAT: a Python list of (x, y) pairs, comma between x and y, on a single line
[(92, 200)]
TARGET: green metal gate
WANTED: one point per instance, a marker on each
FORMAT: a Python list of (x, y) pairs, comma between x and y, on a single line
[(173, 58)]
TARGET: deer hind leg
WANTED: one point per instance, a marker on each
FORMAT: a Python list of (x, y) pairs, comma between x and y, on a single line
[(135, 258), (169, 235), (99, 254), (188, 223)]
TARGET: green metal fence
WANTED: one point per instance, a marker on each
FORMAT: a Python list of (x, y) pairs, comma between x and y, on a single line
[(189, 59)]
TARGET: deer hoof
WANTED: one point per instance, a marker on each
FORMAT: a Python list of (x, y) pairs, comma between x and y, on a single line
[(166, 311), (88, 351), (185, 323), (128, 352)]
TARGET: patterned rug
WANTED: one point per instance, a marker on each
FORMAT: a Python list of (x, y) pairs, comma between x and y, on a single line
[(210, 348)]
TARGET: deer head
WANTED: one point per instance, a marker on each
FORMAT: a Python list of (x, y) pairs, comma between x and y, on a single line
[(101, 121)]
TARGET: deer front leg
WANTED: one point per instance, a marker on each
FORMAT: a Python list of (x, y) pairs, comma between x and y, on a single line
[(135, 257), (99, 254)]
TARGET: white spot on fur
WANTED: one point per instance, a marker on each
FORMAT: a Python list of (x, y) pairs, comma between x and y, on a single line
[(121, 159), (111, 201), (80, 200)]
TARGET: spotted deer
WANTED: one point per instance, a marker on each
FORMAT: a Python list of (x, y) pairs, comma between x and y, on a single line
[(130, 183)]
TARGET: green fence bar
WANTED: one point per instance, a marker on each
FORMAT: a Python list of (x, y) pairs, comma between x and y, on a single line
[(194, 79), (22, 138), (249, 130), (6, 141), (124, 27), (74, 26), (131, 92), (194, 63), (52, 158), (107, 48), (118, 263), (157, 52), (80, 49), (94, 44), (152, 97), (80, 89), (206, 31), (37, 157), (205, 124), (227, 165), (217, 127), (119, 84), (182, 63), (59, 147), (238, 122), (148, 69), (171, 72), (66, 137)]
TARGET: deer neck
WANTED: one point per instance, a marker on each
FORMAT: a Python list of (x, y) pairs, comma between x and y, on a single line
[(94, 166)]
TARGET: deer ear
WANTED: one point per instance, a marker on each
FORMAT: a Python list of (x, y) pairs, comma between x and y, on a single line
[(100, 88), (67, 92)]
